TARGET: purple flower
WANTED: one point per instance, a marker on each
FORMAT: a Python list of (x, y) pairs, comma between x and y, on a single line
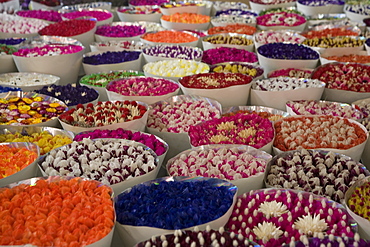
[(287, 51), (111, 57), (71, 94), (120, 31)]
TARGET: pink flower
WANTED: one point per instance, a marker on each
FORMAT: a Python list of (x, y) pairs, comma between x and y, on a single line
[(250, 129)]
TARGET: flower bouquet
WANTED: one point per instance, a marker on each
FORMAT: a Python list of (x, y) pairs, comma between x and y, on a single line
[(18, 161), (14, 26), (171, 119), (195, 7), (169, 37), (119, 31), (49, 16), (81, 30), (275, 217), (250, 129), (264, 112), (315, 7), (275, 92), (236, 12), (92, 5), (86, 203), (230, 89), (168, 52), (46, 138), (242, 165), (71, 94), (29, 108), (356, 203), (106, 61), (291, 72), (357, 10), (255, 71), (341, 45), (233, 28), (155, 143), (320, 107), (102, 16), (345, 82), (118, 163), (173, 203), (174, 69), (145, 89), (118, 46), (105, 115), (58, 56), (239, 41), (28, 81), (228, 54), (208, 237), (260, 5), (323, 173), (185, 21), (331, 30), (331, 133), (356, 57), (283, 55), (99, 81), (277, 36), (135, 3), (224, 20), (281, 20), (140, 13)]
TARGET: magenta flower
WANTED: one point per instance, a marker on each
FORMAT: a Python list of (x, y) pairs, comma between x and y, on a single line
[(281, 19), (48, 50), (227, 54), (142, 86), (274, 217), (250, 129), (149, 140)]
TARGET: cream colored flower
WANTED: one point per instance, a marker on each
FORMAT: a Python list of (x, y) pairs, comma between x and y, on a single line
[(273, 208), (267, 231), (311, 225)]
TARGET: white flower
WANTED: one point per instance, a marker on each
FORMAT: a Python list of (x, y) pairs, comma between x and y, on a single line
[(290, 20), (311, 225), (266, 231), (273, 208)]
